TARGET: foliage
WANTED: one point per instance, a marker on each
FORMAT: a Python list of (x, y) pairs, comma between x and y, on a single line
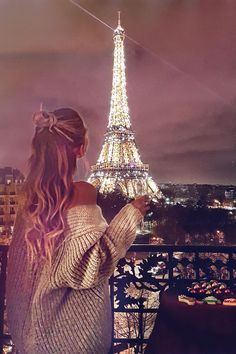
[(174, 222)]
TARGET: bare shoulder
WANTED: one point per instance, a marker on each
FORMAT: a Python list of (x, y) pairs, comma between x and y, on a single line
[(85, 186), (85, 193)]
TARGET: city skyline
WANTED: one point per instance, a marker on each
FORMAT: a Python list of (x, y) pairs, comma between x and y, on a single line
[(181, 94)]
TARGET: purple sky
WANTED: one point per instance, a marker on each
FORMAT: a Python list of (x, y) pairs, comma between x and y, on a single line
[(182, 100)]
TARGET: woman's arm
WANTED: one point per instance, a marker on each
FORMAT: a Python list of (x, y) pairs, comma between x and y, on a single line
[(89, 258)]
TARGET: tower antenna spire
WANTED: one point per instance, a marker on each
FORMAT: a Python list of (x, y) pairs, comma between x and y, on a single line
[(118, 18)]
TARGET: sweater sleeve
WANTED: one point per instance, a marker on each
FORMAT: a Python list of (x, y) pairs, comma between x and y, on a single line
[(88, 258)]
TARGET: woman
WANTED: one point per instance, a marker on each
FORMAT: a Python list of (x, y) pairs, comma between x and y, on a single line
[(62, 251)]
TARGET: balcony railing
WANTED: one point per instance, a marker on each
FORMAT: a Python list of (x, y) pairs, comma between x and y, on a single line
[(140, 280)]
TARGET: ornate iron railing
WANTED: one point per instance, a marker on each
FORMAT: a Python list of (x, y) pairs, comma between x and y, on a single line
[(147, 271), (139, 281)]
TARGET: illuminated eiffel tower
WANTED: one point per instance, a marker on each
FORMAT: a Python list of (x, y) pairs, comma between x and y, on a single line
[(119, 166)]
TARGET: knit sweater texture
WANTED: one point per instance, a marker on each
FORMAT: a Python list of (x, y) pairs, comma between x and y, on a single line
[(66, 308)]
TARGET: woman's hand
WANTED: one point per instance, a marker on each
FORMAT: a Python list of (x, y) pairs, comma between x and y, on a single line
[(142, 203)]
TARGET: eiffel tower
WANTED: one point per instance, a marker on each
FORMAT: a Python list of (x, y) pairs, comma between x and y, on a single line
[(119, 166)]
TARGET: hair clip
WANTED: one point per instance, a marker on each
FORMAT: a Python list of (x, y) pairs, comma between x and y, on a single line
[(44, 119)]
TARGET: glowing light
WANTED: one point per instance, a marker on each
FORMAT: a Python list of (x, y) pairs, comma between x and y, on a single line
[(119, 165)]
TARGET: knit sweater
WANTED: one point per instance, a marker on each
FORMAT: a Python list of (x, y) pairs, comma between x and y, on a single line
[(66, 308)]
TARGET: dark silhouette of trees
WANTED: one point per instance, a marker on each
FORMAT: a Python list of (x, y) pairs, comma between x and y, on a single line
[(111, 204), (174, 222)]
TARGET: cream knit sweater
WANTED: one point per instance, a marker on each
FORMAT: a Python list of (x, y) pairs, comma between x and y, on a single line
[(66, 308)]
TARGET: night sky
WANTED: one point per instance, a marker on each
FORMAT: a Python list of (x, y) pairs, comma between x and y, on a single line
[(182, 90)]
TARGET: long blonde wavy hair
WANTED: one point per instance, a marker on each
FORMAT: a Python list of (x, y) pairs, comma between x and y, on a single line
[(48, 189)]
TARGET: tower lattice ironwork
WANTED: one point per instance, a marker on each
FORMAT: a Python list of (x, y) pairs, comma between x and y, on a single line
[(119, 166)]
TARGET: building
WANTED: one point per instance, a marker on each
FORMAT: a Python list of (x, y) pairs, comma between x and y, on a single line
[(230, 194), (119, 166), (11, 181)]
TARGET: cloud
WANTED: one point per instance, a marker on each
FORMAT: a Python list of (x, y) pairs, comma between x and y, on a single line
[(181, 96)]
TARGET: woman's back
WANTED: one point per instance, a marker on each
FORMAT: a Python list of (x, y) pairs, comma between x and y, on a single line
[(38, 304), (66, 307)]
